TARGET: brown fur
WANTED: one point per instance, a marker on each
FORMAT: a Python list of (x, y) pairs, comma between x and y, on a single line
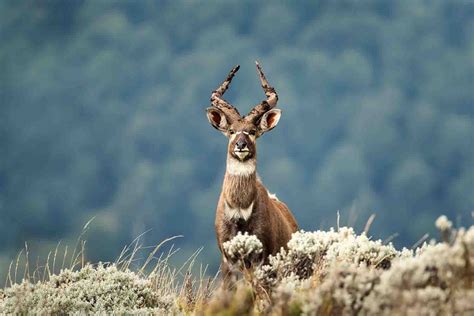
[(239, 191), (270, 220)]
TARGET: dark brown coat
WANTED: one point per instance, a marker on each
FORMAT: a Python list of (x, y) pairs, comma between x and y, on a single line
[(245, 204), (271, 220)]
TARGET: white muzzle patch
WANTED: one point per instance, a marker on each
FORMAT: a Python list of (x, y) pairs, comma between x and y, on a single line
[(241, 154)]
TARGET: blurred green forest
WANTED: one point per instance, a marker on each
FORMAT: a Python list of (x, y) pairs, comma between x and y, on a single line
[(102, 114)]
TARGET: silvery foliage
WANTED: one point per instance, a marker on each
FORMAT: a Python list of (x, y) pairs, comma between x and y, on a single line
[(314, 252), (243, 247), (347, 279), (88, 290)]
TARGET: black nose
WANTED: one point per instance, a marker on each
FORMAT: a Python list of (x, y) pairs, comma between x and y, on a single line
[(241, 144)]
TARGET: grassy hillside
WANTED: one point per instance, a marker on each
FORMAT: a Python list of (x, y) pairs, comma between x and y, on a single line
[(102, 114), (323, 272)]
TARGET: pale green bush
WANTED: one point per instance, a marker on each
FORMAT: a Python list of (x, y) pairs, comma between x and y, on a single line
[(316, 252), (436, 279), (337, 272), (243, 246), (90, 289)]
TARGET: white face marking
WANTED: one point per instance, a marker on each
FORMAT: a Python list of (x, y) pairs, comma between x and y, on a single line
[(236, 150), (233, 136), (241, 154), (240, 168), (238, 213), (252, 137)]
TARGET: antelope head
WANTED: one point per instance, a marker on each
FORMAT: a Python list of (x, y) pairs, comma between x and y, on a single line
[(243, 131)]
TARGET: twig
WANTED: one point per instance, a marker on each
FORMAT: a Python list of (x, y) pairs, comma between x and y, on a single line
[(369, 223), (420, 241)]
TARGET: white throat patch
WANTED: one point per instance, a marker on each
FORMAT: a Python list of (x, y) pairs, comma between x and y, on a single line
[(241, 168), (238, 213)]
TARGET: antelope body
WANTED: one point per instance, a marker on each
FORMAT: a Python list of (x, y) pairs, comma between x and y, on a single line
[(245, 204)]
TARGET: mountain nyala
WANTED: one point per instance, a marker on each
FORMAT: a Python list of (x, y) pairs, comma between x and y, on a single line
[(245, 204)]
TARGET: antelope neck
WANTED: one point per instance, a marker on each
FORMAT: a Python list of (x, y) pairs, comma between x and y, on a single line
[(240, 182)]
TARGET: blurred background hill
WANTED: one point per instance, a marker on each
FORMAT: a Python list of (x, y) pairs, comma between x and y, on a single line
[(102, 114)]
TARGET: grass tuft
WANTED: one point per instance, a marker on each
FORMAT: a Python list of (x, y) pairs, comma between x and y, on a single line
[(335, 272)]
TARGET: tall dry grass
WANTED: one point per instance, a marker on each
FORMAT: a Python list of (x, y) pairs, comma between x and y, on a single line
[(335, 272)]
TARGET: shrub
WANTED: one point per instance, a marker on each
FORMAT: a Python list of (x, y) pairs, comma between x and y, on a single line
[(320, 273), (89, 290), (243, 247), (311, 253), (437, 278)]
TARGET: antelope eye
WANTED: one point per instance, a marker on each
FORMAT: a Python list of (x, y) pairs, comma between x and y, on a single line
[(231, 131), (252, 132)]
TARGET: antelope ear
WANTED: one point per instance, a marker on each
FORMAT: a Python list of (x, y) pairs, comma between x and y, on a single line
[(269, 120), (217, 119)]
